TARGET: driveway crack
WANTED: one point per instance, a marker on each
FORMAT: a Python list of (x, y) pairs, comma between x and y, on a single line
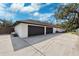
[(35, 48)]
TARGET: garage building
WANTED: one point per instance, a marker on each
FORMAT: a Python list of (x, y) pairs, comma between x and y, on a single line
[(27, 28)]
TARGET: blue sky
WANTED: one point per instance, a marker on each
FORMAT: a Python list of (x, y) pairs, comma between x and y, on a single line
[(24, 11)]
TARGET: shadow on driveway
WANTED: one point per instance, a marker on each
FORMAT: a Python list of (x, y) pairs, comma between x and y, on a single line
[(19, 43)]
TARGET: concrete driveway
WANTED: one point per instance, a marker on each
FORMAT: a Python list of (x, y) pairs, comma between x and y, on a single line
[(49, 45)]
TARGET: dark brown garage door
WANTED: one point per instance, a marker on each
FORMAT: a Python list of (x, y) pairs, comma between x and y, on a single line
[(49, 30), (35, 30)]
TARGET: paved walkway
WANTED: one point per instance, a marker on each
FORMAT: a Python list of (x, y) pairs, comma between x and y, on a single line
[(49, 45)]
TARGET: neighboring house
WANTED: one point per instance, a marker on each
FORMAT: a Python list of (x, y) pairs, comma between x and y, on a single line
[(60, 30), (28, 28)]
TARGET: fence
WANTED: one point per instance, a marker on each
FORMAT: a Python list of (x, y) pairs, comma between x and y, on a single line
[(7, 30)]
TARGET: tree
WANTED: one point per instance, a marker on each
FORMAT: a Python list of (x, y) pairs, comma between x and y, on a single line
[(69, 13), (5, 23)]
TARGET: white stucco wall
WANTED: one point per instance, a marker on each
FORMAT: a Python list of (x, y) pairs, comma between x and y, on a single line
[(44, 30), (54, 30), (22, 30)]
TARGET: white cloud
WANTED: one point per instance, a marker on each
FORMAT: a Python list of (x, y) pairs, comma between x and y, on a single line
[(48, 3), (6, 15), (17, 6), (27, 9), (2, 7), (43, 17), (31, 8), (22, 8), (65, 3), (9, 15), (36, 14)]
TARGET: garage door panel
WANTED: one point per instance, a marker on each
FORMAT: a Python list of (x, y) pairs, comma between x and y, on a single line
[(35, 30), (49, 30)]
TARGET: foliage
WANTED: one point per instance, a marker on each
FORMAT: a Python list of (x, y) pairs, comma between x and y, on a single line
[(5, 23), (69, 14)]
